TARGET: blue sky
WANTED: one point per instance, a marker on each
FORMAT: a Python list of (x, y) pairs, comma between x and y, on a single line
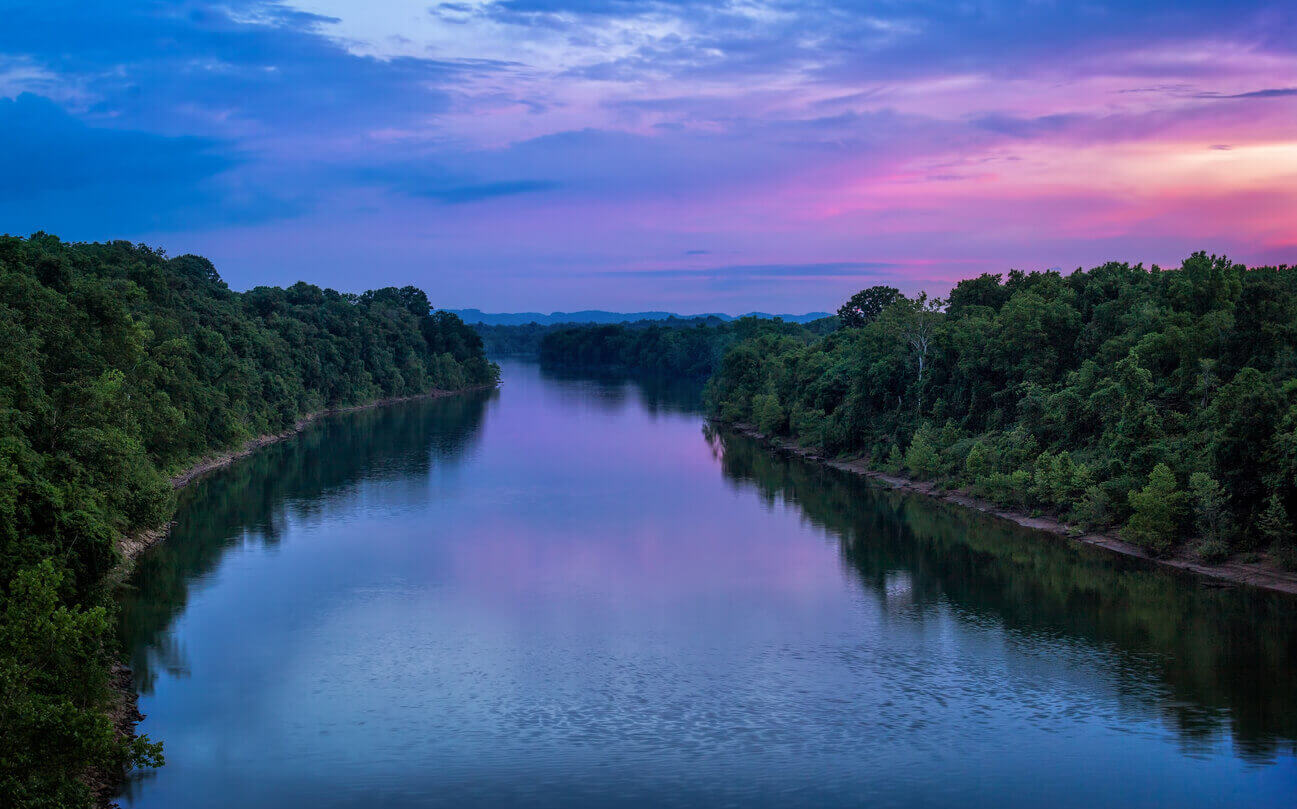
[(694, 156)]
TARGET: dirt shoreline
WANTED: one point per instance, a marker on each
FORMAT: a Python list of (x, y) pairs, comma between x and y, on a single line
[(1265, 575), (125, 711), (133, 545)]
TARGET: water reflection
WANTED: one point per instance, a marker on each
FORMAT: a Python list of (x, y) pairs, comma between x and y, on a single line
[(655, 393), (561, 595), (251, 501), (1226, 658)]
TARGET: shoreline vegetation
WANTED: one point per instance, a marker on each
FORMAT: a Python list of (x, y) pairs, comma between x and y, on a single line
[(1154, 406), (1265, 575), (125, 712), (131, 546), (1153, 409), (685, 349), (124, 372)]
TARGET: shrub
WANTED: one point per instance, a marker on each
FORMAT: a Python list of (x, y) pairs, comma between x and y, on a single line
[(978, 463), (1212, 551), (895, 461), (1093, 509), (921, 458), (807, 426), (1285, 555), (1058, 481)]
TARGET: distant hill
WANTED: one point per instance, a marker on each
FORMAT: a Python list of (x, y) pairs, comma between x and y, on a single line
[(474, 316)]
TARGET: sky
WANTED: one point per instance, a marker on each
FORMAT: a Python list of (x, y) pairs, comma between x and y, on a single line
[(774, 155)]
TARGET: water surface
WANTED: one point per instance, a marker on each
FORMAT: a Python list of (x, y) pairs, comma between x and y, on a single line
[(570, 593)]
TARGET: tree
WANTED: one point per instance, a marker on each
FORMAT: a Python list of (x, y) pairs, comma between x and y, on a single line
[(1156, 512), (921, 458), (118, 367), (1277, 529), (53, 692), (1210, 507), (1273, 525), (866, 305), (1245, 414), (767, 413), (1065, 391), (915, 321)]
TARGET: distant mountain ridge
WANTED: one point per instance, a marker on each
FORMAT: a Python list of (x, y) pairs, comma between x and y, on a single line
[(475, 316)]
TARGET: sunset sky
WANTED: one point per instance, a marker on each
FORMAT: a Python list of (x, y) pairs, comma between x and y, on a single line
[(692, 156)]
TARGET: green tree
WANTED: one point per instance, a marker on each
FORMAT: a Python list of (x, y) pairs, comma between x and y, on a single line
[(915, 323), (1276, 528), (1156, 512), (53, 697), (921, 458), (1211, 516), (1063, 391), (118, 367), (767, 414), (866, 305)]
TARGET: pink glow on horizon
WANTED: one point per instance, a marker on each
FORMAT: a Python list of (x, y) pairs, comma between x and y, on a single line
[(690, 157)]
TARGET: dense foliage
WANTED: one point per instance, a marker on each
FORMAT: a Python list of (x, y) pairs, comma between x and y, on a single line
[(515, 341), (119, 366), (525, 340), (1163, 402), (680, 348)]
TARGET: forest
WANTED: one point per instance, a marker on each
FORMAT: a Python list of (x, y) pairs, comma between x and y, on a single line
[(525, 340), (1160, 403), (120, 366), (683, 348), (514, 341)]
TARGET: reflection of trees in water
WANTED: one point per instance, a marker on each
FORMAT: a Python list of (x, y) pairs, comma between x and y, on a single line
[(614, 389), (1224, 658), (256, 495)]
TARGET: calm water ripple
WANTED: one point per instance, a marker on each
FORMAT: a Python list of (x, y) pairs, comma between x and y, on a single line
[(571, 593)]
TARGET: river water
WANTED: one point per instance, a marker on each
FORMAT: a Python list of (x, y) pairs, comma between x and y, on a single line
[(571, 593)]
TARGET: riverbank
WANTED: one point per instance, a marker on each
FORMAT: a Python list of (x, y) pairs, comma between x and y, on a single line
[(125, 709), (133, 545), (1265, 575)]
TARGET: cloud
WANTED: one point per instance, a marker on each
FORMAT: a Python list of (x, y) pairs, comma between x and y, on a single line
[(1025, 127), (474, 193), (753, 272), (56, 170), (1274, 92), (240, 68), (48, 150), (573, 136)]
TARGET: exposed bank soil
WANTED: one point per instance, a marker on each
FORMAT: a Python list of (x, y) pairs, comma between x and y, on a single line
[(1264, 574), (125, 712), (133, 545), (125, 715)]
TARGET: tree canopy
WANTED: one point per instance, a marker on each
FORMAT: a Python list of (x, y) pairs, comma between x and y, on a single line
[(118, 367), (1160, 401), (689, 348), (866, 305)]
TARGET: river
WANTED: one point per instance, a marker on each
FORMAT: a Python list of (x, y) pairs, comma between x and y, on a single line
[(572, 593)]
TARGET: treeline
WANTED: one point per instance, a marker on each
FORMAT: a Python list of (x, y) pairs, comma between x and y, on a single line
[(1223, 655), (680, 348), (514, 341), (1160, 402), (118, 367), (525, 340)]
